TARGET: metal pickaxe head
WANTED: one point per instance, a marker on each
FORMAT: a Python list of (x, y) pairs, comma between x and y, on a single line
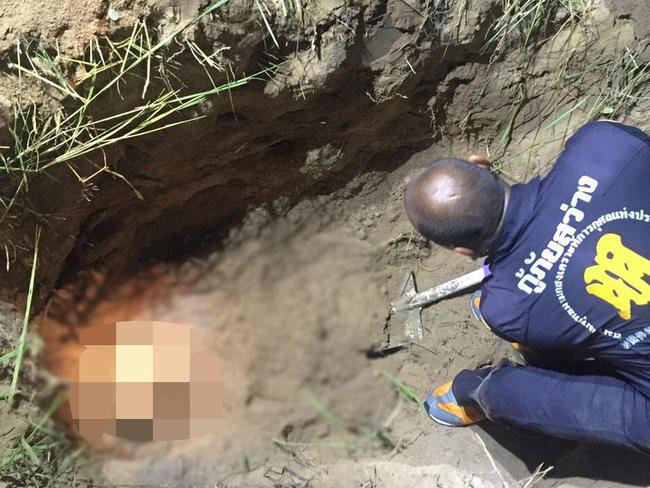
[(411, 302), (412, 331)]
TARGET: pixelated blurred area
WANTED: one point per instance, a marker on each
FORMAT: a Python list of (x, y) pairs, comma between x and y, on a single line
[(143, 381)]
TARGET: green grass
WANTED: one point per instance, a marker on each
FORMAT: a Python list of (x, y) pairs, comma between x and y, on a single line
[(605, 89), (521, 28), (41, 457), (366, 435), (75, 136), (624, 83), (324, 412), (20, 349), (402, 389), (528, 22)]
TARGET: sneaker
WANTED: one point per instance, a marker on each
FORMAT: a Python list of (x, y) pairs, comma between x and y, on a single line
[(474, 305), (441, 405)]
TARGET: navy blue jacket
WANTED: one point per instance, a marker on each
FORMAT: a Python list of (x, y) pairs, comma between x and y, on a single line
[(571, 265)]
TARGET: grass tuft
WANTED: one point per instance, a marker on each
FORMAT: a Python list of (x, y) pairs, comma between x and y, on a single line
[(625, 81), (41, 457), (367, 436), (402, 389), (20, 349), (76, 137), (529, 22), (324, 412)]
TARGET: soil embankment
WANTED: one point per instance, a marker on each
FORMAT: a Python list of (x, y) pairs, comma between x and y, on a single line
[(275, 222)]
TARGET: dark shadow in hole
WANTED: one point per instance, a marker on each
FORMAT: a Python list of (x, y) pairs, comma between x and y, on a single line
[(587, 462)]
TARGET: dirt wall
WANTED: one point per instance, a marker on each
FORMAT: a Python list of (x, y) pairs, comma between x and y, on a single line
[(359, 86), (354, 92), (279, 215)]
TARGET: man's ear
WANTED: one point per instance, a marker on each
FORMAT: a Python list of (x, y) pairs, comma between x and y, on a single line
[(479, 160), (466, 251)]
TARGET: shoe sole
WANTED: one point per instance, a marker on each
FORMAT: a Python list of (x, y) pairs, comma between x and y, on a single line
[(438, 421)]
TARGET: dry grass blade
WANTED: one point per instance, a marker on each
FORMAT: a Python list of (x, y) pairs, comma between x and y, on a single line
[(538, 475), (43, 141), (261, 6), (492, 461), (527, 20)]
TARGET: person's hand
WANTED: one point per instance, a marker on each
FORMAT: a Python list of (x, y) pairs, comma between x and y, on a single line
[(479, 160)]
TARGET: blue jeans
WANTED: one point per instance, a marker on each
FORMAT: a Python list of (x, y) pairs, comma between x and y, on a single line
[(598, 408)]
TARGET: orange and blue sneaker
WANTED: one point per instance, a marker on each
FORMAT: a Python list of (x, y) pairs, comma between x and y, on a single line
[(474, 305), (442, 406)]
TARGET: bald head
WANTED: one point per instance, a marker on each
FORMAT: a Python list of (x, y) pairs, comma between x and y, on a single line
[(456, 203)]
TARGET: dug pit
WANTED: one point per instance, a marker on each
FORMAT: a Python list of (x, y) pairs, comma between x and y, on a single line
[(275, 225), (296, 310)]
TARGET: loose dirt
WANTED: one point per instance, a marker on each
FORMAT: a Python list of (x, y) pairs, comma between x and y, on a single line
[(298, 306), (276, 226)]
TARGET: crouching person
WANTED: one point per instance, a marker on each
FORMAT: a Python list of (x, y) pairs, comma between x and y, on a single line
[(569, 256)]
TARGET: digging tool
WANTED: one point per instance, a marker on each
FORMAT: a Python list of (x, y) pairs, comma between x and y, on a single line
[(411, 303)]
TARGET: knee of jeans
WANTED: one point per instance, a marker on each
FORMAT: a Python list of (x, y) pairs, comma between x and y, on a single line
[(637, 424)]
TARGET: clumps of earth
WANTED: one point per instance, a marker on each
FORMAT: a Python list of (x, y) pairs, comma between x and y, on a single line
[(274, 224)]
